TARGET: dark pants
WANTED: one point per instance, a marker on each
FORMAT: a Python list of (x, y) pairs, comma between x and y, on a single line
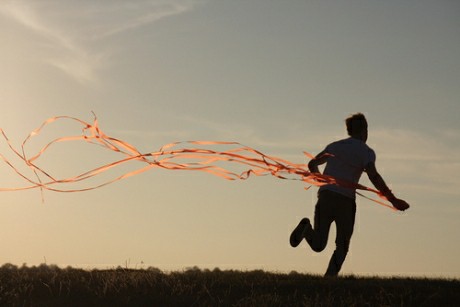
[(333, 207)]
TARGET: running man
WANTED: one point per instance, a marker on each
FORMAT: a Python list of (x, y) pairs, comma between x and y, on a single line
[(346, 160)]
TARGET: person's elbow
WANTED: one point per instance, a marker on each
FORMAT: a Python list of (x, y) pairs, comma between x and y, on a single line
[(313, 165)]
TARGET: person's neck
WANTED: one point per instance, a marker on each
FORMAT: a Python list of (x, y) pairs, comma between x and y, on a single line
[(358, 137)]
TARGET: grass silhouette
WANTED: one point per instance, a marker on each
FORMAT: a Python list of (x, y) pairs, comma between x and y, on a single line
[(49, 285)]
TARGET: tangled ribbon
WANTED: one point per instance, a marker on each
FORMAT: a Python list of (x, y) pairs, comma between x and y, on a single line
[(169, 157)]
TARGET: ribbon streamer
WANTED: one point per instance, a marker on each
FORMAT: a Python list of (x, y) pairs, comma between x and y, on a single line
[(171, 157)]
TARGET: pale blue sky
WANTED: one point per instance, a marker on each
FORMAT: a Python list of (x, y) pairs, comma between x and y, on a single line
[(279, 76)]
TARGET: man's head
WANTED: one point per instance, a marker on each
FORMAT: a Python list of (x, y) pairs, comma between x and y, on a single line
[(357, 126)]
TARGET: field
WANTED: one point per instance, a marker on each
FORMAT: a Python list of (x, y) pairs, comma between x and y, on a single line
[(49, 285)]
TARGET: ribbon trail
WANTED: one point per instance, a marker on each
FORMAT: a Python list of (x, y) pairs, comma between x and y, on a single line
[(184, 156)]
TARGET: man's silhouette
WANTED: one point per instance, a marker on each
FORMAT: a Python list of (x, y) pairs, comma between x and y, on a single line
[(345, 160)]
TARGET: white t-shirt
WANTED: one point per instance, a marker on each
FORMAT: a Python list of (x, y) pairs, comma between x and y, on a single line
[(349, 158)]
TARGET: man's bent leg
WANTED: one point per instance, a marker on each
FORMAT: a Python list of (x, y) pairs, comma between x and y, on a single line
[(324, 215), (345, 221)]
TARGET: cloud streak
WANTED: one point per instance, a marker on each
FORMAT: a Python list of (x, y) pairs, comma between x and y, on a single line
[(71, 29), (130, 19), (425, 163)]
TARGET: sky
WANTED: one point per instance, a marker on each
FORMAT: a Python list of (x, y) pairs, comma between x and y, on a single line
[(278, 76)]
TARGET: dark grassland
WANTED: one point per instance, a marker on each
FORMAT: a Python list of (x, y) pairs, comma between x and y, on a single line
[(49, 285)]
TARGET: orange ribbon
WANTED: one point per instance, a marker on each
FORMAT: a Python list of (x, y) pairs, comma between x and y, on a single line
[(171, 157)]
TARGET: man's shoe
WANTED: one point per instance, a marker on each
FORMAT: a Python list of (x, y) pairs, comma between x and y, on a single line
[(299, 232)]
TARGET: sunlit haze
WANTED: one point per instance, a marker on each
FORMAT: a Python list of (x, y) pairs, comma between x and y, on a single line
[(279, 76)]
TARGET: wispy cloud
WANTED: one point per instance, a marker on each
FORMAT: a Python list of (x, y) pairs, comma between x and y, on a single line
[(71, 29), (423, 162), (404, 145), (135, 15)]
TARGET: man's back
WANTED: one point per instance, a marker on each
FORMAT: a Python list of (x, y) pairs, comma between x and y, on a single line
[(347, 161)]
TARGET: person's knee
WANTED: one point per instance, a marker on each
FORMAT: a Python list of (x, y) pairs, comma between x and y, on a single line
[(318, 247)]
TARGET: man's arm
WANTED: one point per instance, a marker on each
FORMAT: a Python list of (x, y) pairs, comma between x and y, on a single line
[(320, 158), (380, 185)]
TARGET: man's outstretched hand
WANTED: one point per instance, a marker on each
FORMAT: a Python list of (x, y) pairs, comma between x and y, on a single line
[(400, 204)]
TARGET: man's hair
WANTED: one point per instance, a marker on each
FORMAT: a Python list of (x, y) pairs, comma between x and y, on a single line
[(356, 123)]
